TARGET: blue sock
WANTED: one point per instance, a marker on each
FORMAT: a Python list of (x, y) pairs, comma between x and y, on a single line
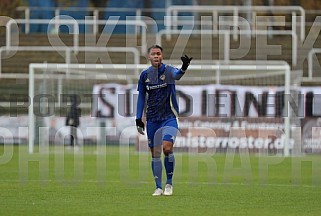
[(157, 171), (169, 162)]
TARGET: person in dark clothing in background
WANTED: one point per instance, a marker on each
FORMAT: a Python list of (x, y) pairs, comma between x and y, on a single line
[(72, 119)]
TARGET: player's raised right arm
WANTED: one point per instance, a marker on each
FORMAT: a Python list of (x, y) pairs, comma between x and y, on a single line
[(186, 61), (179, 73)]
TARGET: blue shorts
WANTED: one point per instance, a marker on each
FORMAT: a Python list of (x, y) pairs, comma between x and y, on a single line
[(161, 130)]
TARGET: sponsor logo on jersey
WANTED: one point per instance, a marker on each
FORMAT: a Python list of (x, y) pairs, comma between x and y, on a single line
[(148, 87)]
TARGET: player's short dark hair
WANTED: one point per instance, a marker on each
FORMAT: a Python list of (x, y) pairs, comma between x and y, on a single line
[(155, 46)]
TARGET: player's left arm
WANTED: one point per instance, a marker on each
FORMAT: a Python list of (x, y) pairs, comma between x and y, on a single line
[(185, 63), (140, 107)]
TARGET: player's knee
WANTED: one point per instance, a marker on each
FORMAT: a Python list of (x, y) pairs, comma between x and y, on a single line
[(167, 151), (167, 148), (156, 152)]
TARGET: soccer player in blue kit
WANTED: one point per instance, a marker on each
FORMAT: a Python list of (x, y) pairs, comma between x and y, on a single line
[(157, 84)]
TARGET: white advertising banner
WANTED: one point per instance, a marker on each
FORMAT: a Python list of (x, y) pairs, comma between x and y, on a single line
[(117, 101), (257, 112)]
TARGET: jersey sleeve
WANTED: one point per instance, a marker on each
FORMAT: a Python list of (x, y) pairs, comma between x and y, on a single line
[(141, 98), (177, 73)]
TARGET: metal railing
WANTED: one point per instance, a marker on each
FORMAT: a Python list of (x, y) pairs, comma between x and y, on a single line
[(69, 50), (56, 22), (226, 35), (310, 77), (171, 21)]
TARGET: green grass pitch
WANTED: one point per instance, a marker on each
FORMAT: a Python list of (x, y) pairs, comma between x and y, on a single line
[(118, 181)]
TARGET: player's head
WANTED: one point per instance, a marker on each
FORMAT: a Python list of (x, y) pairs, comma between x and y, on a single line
[(155, 55)]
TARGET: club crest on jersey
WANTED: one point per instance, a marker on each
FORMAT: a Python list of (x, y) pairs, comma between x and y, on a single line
[(162, 77)]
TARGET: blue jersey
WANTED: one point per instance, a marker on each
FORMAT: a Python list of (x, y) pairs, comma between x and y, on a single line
[(159, 86)]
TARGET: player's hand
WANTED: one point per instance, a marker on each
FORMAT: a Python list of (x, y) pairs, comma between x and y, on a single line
[(186, 61), (140, 126)]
